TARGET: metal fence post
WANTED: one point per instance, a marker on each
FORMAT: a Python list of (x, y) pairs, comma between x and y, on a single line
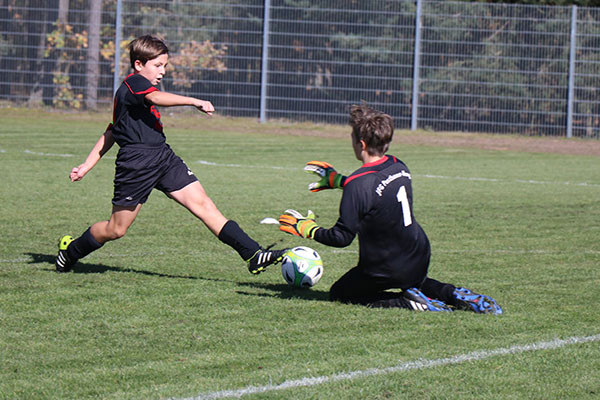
[(265, 63), (416, 69), (572, 56), (117, 74)]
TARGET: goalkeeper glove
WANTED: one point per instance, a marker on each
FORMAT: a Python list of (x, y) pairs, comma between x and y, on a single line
[(330, 178), (294, 223)]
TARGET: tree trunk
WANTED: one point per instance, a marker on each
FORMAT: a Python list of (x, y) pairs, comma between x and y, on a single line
[(37, 90), (93, 55), (63, 11), (54, 64)]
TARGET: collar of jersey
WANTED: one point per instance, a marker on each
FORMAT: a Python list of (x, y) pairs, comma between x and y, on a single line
[(380, 161)]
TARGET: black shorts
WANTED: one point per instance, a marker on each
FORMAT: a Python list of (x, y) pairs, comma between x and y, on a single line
[(141, 168)]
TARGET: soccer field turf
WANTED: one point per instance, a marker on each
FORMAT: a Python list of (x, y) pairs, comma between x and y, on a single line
[(168, 311)]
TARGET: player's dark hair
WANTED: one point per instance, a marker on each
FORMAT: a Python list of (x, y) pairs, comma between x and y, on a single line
[(146, 48), (374, 127)]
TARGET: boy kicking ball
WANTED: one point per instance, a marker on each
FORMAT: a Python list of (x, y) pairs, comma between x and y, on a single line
[(376, 205), (146, 162)]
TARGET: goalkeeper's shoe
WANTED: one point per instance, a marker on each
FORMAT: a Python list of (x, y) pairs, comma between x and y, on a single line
[(64, 263), (263, 258), (417, 301), (479, 303)]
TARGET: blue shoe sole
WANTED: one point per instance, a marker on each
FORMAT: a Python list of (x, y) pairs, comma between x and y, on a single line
[(476, 302)]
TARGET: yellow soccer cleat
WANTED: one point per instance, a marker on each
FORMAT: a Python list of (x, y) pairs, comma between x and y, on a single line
[(64, 263)]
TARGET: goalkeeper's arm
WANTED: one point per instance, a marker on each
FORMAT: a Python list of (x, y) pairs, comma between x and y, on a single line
[(330, 178), (294, 223)]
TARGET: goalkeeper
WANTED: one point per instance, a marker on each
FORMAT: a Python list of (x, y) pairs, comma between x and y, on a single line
[(376, 205)]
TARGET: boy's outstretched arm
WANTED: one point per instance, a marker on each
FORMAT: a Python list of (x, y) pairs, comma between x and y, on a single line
[(330, 178), (166, 99), (102, 146), (295, 223)]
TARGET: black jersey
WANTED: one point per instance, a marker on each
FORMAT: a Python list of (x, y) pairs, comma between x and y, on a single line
[(135, 121), (377, 205)]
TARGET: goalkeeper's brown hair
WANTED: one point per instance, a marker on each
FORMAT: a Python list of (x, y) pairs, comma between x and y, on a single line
[(374, 127), (146, 48)]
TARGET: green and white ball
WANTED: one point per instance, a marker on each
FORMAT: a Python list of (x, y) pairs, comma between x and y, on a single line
[(302, 267)]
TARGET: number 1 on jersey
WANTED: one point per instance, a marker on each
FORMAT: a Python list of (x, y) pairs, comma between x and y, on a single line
[(403, 200)]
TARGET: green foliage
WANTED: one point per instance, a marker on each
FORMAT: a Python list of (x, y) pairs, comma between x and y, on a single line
[(496, 65), (169, 311), (191, 30), (580, 3), (60, 45), (192, 57), (493, 67)]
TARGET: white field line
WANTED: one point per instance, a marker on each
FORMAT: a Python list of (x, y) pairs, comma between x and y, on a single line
[(491, 251), (64, 155), (214, 164), (456, 178), (534, 182), (407, 366), (17, 260), (37, 153)]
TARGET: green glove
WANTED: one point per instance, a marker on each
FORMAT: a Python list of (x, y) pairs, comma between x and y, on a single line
[(294, 223), (330, 178)]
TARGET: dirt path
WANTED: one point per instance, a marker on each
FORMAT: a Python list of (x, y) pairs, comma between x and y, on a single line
[(589, 147), (574, 146)]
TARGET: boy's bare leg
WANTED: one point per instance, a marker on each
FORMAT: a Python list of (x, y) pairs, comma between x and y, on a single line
[(69, 250), (116, 227), (194, 198)]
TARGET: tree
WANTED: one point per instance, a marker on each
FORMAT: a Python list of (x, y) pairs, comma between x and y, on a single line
[(36, 93), (580, 3), (93, 54)]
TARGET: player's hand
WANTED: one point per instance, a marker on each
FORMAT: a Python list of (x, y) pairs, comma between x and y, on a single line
[(78, 173), (294, 223), (205, 107), (330, 178)]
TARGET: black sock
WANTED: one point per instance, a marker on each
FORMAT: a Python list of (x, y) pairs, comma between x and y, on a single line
[(232, 235), (83, 245), (439, 290)]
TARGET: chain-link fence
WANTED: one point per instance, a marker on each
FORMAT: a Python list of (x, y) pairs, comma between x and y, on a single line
[(438, 65)]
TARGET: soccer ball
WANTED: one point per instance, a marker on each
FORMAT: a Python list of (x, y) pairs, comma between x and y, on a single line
[(302, 267)]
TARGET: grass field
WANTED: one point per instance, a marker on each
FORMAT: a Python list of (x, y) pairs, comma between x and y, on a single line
[(170, 312)]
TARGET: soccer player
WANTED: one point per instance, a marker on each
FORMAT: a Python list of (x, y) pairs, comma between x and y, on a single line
[(376, 205), (146, 162)]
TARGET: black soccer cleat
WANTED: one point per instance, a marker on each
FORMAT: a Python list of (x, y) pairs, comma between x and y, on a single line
[(479, 303), (263, 258), (417, 301), (64, 263)]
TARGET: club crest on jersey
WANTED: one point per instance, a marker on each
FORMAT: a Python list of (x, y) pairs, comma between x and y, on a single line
[(382, 185)]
